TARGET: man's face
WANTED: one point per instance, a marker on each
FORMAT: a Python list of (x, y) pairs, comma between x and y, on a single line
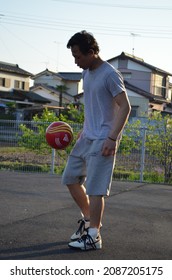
[(83, 61)]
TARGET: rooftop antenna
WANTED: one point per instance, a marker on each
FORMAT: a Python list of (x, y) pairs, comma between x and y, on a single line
[(134, 35)]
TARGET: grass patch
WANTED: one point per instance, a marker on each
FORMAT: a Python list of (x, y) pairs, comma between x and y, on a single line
[(150, 177), (9, 150)]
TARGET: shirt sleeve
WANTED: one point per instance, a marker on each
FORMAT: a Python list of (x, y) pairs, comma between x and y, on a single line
[(115, 83)]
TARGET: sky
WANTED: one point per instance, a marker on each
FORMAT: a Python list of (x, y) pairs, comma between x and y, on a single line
[(34, 33)]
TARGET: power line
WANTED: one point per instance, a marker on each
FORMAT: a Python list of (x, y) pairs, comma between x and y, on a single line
[(166, 8), (47, 23)]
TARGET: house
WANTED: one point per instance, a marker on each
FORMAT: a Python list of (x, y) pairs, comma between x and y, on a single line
[(148, 87), (61, 87), (13, 77), (15, 91), (52, 94)]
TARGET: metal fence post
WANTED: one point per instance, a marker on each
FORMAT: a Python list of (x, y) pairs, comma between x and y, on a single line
[(142, 159), (53, 160)]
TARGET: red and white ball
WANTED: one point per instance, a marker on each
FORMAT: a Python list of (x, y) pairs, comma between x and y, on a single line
[(59, 135)]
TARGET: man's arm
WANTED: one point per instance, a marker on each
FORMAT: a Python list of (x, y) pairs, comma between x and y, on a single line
[(124, 108)]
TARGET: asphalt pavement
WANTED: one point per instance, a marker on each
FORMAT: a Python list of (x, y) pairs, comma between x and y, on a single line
[(38, 216)]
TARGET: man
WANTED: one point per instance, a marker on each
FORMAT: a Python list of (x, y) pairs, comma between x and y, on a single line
[(92, 159)]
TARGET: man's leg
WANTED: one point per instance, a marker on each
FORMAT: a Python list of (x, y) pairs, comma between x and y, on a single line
[(82, 200), (92, 238), (96, 210)]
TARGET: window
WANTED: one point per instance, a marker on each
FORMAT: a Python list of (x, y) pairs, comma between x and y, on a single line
[(134, 111), (126, 75), (159, 86), (16, 84), (19, 84), (23, 85), (2, 82)]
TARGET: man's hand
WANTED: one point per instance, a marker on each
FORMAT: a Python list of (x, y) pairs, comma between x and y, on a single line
[(109, 147)]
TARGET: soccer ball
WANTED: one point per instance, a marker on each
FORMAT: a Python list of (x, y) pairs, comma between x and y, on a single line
[(59, 135)]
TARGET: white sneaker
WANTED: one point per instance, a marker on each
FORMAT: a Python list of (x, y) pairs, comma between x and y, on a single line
[(87, 242), (84, 225)]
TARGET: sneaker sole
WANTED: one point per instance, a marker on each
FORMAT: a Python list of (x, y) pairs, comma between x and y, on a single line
[(98, 247)]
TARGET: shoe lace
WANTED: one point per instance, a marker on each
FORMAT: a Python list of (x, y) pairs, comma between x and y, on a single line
[(81, 226), (87, 240)]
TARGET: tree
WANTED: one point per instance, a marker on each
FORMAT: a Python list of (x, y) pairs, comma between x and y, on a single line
[(33, 136), (159, 141), (131, 133), (73, 114), (61, 89)]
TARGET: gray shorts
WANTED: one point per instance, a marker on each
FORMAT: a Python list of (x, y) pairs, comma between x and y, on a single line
[(86, 164)]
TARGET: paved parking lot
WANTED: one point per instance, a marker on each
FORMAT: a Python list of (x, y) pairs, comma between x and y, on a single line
[(38, 216)]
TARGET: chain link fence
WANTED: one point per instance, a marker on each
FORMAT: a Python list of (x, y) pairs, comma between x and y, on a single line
[(23, 148)]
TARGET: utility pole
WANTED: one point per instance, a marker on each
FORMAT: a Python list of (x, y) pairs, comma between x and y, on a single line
[(58, 53), (60, 100), (61, 89)]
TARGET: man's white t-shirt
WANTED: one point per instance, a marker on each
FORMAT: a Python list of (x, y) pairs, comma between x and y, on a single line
[(100, 87)]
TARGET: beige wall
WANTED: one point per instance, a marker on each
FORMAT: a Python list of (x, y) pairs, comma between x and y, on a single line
[(10, 81)]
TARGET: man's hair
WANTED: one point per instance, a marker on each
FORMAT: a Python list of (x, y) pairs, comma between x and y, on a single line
[(85, 41)]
